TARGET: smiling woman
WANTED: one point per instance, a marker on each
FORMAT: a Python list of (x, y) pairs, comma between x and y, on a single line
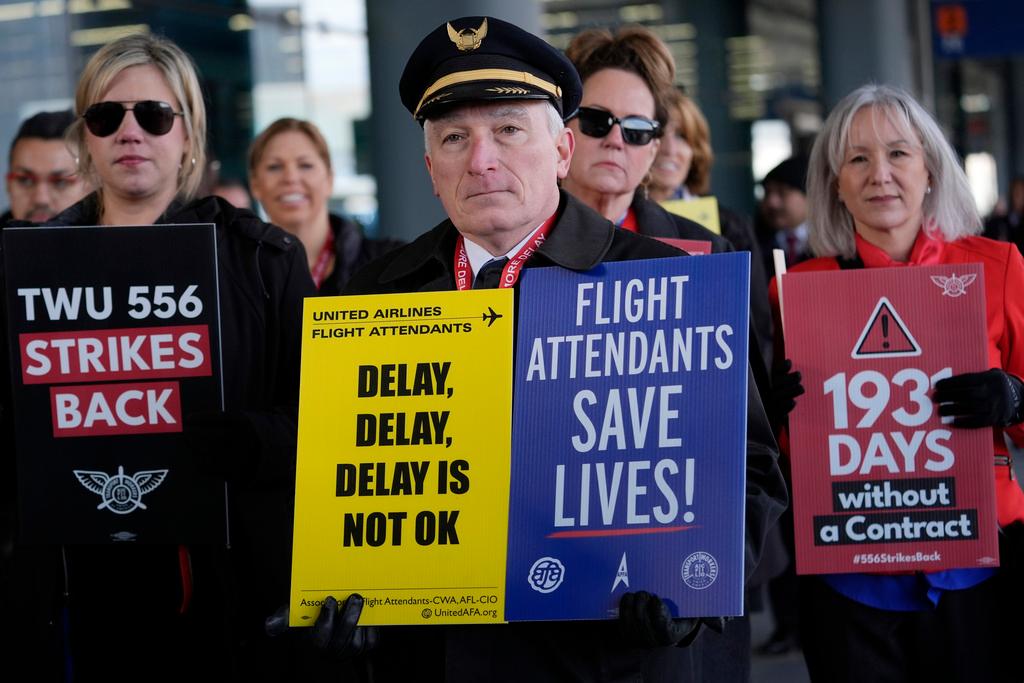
[(290, 175), (682, 168)]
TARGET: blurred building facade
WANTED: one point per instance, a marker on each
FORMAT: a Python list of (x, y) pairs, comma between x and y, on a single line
[(763, 71)]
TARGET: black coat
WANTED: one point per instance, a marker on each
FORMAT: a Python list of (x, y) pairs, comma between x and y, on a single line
[(352, 251), (554, 651), (131, 614)]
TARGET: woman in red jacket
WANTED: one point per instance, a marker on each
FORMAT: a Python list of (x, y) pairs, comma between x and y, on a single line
[(885, 189)]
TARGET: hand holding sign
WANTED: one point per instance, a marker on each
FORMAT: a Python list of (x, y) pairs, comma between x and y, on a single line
[(981, 399), (787, 385), (882, 481), (336, 631), (645, 620)]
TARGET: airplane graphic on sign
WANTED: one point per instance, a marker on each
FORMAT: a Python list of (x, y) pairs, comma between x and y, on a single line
[(885, 335)]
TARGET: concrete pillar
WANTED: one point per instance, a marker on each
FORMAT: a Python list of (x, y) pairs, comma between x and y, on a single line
[(731, 177), (862, 42), (407, 206)]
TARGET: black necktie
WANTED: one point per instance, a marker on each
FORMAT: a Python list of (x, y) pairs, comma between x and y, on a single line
[(490, 275)]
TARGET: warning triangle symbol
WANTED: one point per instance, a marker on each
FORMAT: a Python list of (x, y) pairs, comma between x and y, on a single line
[(885, 335)]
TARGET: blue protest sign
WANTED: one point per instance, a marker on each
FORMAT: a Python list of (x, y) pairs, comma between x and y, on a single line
[(629, 438)]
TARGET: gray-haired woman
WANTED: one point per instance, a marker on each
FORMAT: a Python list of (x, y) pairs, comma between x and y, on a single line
[(885, 189)]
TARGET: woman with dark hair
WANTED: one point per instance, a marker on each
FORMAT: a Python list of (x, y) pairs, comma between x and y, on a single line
[(161, 611), (626, 80), (627, 84), (291, 177), (885, 189)]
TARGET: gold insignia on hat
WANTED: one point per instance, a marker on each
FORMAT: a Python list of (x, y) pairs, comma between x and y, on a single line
[(468, 39), (461, 77), (509, 91), (435, 98)]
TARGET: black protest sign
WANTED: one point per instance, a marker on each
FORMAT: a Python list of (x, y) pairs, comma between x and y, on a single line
[(114, 338)]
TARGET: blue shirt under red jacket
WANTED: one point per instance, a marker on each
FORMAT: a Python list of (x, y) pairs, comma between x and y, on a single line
[(1004, 282)]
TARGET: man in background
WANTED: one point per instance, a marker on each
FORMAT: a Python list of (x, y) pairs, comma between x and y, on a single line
[(783, 213), (42, 179)]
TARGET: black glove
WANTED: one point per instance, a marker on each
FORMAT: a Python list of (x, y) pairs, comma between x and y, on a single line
[(1011, 549), (787, 384), (980, 399), (336, 631), (224, 445), (645, 621)]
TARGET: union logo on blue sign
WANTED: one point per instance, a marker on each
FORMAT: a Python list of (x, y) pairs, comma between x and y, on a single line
[(699, 570), (546, 575)]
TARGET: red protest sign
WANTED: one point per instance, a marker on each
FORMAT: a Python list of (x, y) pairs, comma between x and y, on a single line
[(691, 247), (880, 482)]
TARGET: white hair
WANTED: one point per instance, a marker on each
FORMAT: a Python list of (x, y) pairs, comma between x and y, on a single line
[(554, 121), (948, 208)]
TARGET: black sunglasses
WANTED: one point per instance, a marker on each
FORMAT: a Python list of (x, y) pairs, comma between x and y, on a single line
[(104, 118), (597, 123)]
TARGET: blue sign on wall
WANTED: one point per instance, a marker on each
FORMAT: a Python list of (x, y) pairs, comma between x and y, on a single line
[(629, 438), (977, 28)]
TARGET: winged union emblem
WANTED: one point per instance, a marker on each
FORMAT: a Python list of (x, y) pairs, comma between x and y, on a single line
[(468, 39), (121, 493), (954, 286)]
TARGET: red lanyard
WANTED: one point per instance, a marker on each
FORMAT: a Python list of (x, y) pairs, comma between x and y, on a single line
[(510, 274), (319, 271)]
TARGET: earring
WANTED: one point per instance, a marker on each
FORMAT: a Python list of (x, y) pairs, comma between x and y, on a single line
[(645, 185), (194, 163), (928, 190)]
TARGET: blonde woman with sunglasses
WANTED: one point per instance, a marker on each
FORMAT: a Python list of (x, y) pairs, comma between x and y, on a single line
[(164, 612)]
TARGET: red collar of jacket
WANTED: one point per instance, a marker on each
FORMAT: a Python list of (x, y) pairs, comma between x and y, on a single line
[(927, 251)]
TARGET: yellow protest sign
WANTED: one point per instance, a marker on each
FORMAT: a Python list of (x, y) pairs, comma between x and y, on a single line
[(703, 210), (404, 447)]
